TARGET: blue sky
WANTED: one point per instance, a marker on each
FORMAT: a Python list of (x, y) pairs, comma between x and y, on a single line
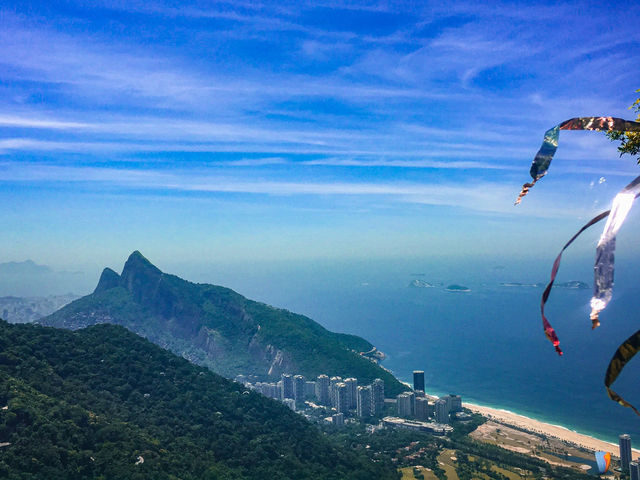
[(221, 131)]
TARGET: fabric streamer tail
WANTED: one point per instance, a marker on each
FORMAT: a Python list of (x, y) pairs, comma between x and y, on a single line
[(548, 329), (525, 189), (623, 355), (543, 158), (604, 265)]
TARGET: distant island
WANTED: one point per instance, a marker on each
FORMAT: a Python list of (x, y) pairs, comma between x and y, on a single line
[(417, 283), (575, 284), (457, 288)]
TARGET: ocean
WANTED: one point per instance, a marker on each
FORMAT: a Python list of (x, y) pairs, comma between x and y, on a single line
[(486, 344)]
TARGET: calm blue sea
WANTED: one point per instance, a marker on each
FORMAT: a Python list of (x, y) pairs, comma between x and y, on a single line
[(486, 345)]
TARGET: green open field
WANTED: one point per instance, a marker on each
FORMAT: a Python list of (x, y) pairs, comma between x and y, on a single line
[(447, 461)]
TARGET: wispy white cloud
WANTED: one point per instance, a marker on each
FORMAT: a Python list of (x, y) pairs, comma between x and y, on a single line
[(15, 121), (415, 151), (453, 164), (97, 68), (478, 196), (258, 162)]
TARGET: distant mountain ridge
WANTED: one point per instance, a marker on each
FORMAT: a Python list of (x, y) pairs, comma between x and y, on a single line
[(28, 267), (30, 309), (219, 328)]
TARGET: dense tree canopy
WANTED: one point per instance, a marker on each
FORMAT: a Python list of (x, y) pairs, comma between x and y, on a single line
[(104, 403), (629, 141)]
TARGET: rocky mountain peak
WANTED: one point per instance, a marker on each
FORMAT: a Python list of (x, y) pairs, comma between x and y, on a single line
[(138, 263), (139, 274), (108, 280)]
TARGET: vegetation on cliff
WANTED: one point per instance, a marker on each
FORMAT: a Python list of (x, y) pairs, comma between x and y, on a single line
[(219, 328)]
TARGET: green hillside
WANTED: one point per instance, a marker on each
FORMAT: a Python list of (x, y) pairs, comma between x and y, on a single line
[(105, 403), (219, 328)]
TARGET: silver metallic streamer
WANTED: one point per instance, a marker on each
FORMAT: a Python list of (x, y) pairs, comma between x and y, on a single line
[(604, 265)]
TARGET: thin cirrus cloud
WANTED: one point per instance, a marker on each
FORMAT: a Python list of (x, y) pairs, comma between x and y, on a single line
[(153, 134), (16, 121), (420, 163), (96, 68), (485, 197), (417, 152)]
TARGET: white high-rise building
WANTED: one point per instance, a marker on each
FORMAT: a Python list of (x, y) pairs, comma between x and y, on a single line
[(364, 401), (422, 409), (322, 390), (287, 386), (442, 411), (309, 389), (454, 402), (298, 389), (377, 397), (341, 396), (403, 402), (352, 392), (333, 381)]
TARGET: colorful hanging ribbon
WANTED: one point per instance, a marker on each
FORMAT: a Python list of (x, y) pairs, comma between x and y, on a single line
[(604, 264), (543, 158), (603, 282), (625, 352)]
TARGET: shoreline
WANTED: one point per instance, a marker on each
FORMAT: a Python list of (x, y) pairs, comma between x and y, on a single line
[(536, 426)]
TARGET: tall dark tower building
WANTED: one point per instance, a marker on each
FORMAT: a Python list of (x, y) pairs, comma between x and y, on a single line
[(418, 381), (625, 452)]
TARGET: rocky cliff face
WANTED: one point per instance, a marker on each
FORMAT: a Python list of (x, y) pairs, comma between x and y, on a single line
[(215, 326)]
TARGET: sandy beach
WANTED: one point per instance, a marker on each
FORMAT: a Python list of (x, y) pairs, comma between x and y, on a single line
[(561, 433)]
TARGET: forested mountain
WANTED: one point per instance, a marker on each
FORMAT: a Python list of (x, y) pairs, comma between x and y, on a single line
[(105, 403), (219, 328)]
